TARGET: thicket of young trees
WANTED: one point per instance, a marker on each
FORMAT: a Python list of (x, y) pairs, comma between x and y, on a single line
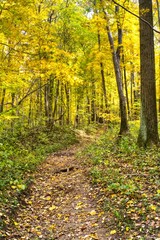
[(78, 62)]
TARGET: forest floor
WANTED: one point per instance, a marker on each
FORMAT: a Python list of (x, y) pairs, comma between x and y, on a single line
[(62, 203)]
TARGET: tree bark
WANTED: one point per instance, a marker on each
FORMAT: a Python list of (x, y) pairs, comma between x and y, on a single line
[(2, 100), (121, 57), (103, 75), (56, 86), (122, 101), (101, 63), (148, 133), (158, 11), (67, 91)]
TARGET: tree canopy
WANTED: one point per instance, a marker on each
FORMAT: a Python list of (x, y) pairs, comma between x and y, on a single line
[(57, 61)]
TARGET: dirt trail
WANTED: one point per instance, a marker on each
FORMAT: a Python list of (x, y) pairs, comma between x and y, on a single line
[(61, 204)]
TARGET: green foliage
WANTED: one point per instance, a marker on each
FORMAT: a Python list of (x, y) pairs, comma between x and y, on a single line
[(129, 178), (21, 152), (91, 128)]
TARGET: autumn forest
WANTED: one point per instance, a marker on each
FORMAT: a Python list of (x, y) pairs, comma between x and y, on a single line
[(80, 72)]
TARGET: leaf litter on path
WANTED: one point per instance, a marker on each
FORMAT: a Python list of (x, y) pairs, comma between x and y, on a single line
[(61, 204)]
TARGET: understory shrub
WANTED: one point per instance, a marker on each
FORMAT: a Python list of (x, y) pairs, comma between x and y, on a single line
[(128, 181), (21, 152)]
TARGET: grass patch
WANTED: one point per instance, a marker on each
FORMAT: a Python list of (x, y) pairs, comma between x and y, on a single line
[(127, 179)]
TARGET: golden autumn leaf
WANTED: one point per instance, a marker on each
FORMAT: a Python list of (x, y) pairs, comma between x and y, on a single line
[(93, 212), (112, 232), (52, 207), (48, 198), (153, 207)]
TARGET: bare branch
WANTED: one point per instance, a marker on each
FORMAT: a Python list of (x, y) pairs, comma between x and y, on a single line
[(29, 93), (16, 50), (23, 98), (143, 20)]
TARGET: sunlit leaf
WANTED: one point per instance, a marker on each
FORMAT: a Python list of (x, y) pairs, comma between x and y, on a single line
[(93, 212), (53, 207), (112, 232)]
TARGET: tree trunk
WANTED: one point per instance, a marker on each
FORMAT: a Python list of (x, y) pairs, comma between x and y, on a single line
[(132, 85), (49, 102), (56, 99), (148, 133), (30, 112), (158, 11), (120, 55), (101, 64), (2, 100), (93, 104), (122, 102), (46, 103), (67, 91), (125, 85), (103, 75)]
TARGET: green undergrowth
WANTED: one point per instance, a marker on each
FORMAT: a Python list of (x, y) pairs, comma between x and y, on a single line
[(128, 181), (20, 154)]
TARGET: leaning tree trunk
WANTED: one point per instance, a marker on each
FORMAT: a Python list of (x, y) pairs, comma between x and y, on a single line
[(120, 55), (148, 133), (122, 101)]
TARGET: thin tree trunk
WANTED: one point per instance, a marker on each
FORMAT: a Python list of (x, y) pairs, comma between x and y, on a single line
[(30, 112), (40, 98), (50, 101), (123, 112), (2, 100), (46, 103), (120, 56), (103, 75), (93, 111), (125, 85), (67, 91), (132, 88), (122, 102), (88, 109), (101, 65), (12, 102), (77, 119), (61, 107), (56, 100)]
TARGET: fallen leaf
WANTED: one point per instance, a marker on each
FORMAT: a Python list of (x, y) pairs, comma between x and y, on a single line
[(112, 232), (52, 207), (127, 229), (48, 198), (153, 207), (92, 213), (52, 227), (94, 236), (79, 205)]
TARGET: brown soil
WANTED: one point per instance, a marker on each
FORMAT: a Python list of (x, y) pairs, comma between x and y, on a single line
[(62, 203)]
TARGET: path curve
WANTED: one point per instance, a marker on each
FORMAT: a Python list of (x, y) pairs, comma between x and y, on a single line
[(62, 203)]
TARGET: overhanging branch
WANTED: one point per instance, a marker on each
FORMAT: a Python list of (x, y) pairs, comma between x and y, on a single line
[(137, 16), (29, 92), (16, 50)]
